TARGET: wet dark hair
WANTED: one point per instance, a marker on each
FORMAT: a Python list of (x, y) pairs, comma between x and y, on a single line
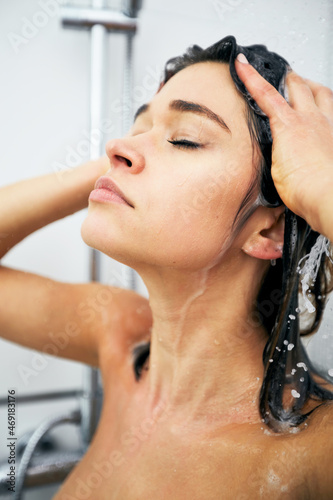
[(284, 369)]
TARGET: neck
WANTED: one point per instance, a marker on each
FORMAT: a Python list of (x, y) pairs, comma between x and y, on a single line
[(206, 348)]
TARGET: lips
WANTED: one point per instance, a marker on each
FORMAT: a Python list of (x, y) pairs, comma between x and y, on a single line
[(106, 183)]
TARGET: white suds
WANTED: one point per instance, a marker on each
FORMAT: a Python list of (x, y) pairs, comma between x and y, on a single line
[(310, 267), (273, 478), (302, 365)]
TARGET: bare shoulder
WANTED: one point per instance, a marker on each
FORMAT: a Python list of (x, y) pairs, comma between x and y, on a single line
[(127, 321), (319, 441), (79, 321)]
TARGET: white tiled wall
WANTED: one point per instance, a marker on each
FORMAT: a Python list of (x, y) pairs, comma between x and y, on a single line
[(44, 112)]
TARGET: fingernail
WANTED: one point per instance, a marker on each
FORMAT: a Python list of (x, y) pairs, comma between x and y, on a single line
[(242, 59)]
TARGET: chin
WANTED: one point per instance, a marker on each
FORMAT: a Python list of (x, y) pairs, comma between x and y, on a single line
[(87, 232), (96, 233)]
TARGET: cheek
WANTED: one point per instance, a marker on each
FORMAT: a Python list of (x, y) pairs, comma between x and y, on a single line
[(192, 226)]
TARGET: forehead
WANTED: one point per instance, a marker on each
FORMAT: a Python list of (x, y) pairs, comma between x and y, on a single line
[(210, 84)]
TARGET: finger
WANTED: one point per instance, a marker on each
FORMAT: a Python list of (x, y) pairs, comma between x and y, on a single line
[(323, 97), (266, 96), (300, 96)]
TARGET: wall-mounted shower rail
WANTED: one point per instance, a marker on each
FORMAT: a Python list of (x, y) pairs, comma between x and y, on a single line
[(100, 21), (74, 17)]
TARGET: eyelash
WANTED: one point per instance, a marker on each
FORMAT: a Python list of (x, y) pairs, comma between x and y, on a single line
[(185, 144)]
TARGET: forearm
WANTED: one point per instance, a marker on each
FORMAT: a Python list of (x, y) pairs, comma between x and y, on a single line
[(325, 213), (313, 201), (31, 204)]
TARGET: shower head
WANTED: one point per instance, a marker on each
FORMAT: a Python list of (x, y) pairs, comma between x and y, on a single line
[(131, 7)]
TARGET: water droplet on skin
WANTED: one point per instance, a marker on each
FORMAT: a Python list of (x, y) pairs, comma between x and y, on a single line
[(293, 371), (271, 360), (295, 394), (278, 348), (273, 478), (291, 316), (216, 342), (183, 182), (330, 372), (294, 430), (290, 347), (301, 379), (285, 342), (302, 365)]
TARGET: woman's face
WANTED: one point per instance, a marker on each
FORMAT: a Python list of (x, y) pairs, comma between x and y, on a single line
[(189, 165)]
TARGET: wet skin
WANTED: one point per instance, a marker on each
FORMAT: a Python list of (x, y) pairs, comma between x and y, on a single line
[(190, 428)]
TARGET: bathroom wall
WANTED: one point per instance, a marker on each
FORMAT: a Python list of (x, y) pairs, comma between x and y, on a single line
[(44, 123)]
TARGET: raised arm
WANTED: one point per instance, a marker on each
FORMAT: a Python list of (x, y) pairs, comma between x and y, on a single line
[(68, 320), (302, 131), (31, 204)]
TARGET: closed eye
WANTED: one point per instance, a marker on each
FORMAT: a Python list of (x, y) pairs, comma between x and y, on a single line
[(185, 144)]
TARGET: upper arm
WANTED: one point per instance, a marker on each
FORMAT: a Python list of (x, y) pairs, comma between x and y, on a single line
[(69, 320)]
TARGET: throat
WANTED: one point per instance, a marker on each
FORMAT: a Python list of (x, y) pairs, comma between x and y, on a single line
[(207, 386)]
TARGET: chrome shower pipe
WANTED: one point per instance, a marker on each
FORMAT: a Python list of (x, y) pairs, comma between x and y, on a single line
[(111, 20), (72, 418), (131, 7), (100, 21)]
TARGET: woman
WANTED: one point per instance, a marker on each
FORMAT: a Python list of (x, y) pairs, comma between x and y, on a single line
[(199, 218)]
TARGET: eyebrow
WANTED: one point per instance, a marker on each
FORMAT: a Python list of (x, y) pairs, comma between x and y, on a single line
[(189, 107)]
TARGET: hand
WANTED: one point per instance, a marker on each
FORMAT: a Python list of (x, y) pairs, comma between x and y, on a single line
[(302, 131)]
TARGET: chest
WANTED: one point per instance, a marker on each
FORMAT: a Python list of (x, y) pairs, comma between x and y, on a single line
[(135, 455)]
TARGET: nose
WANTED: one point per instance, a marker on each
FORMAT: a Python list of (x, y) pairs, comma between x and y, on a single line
[(122, 154)]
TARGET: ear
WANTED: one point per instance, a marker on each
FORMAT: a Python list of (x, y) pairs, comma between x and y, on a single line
[(267, 233)]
